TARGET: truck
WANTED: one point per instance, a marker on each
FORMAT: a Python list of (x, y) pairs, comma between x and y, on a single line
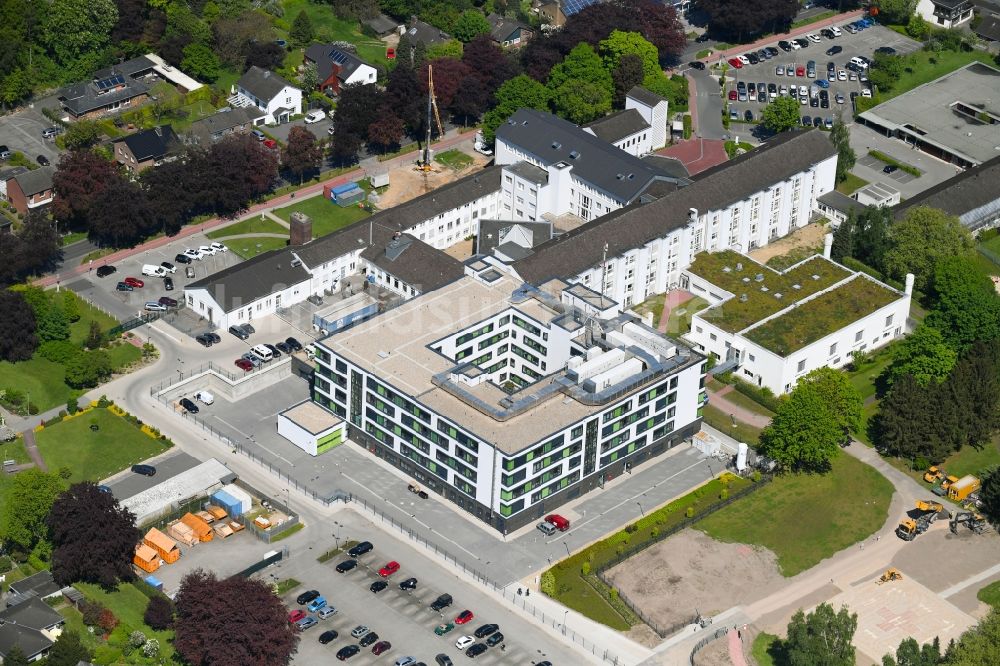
[(927, 511), (964, 487)]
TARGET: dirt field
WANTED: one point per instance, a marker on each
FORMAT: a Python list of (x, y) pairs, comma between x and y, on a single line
[(407, 183), (715, 653), (691, 573), (810, 235)]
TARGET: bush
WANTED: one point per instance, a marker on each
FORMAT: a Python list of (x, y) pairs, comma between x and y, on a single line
[(159, 613), (585, 569), (103, 402), (548, 583), (33, 409), (759, 394), (91, 611), (137, 639), (108, 621), (65, 472), (613, 593), (72, 406), (5, 564), (690, 512), (687, 126), (58, 351)]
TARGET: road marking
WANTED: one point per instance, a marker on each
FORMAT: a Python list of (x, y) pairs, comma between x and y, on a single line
[(971, 580), (162, 332)]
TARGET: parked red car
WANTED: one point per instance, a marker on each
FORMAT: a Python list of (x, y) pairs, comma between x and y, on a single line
[(134, 282), (464, 617), (800, 70), (561, 523), (732, 95), (296, 615), (381, 647), (244, 364), (735, 63), (389, 569), (270, 143)]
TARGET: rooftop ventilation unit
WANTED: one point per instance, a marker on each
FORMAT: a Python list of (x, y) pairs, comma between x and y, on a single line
[(746, 279), (631, 176), (759, 277), (556, 145), (383, 354), (727, 269), (573, 154), (739, 266), (764, 289), (620, 176), (796, 286), (743, 298), (815, 277), (777, 295)]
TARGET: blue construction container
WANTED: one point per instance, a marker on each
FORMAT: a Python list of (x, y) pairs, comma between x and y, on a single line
[(227, 502)]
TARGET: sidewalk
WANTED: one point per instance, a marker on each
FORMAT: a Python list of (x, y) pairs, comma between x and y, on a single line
[(718, 399), (451, 138)]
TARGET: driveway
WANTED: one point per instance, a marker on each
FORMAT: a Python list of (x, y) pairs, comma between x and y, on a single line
[(709, 105), (22, 131), (932, 170), (319, 130)]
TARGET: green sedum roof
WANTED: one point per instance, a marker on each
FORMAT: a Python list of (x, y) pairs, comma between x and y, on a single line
[(765, 297)]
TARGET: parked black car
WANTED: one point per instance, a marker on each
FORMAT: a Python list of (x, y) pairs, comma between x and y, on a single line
[(293, 343), (485, 630), (346, 566), (168, 283), (475, 650), (189, 406), (361, 549), (203, 340), (408, 584), (182, 259), (494, 640), (169, 302), (43, 160), (442, 602), (347, 652), (106, 270), (274, 350), (368, 639), (239, 332), (696, 64), (214, 336), (378, 586), (124, 286), (306, 597), (145, 470), (283, 346), (328, 636)]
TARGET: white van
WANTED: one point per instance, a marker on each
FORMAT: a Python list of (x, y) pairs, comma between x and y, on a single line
[(262, 352), (153, 271)]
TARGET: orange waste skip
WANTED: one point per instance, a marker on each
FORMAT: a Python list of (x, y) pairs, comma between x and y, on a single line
[(201, 529), (146, 558), (162, 544)]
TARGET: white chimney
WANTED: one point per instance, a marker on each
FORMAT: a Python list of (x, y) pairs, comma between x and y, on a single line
[(827, 245), (909, 284)]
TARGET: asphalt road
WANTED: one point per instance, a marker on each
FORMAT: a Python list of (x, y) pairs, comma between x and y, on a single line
[(709, 104)]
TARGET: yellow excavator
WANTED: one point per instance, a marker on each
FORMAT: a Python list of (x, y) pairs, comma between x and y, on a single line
[(913, 525), (889, 575)]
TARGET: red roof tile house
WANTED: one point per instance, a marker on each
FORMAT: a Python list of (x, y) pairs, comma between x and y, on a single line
[(31, 189)]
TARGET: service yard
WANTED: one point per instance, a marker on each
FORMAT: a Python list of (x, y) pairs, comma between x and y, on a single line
[(404, 618), (862, 43)]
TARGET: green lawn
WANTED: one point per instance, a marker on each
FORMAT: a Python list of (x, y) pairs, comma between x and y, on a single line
[(43, 381), (719, 420), (966, 461), (128, 604), (990, 594), (252, 225), (652, 304), (454, 159), (74, 622), (251, 247), (326, 216), (14, 451), (822, 16), (764, 648), (747, 402), (124, 354), (804, 518), (328, 28), (78, 330), (920, 70), (680, 317), (864, 379), (91, 455), (850, 184)]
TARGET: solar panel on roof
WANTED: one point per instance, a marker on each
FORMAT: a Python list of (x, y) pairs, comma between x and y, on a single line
[(338, 57), (111, 82), (571, 7)]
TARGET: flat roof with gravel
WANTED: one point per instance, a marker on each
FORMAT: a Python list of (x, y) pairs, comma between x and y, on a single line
[(958, 113), (311, 417)]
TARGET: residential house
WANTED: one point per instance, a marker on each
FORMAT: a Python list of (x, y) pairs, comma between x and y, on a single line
[(419, 32), (275, 99), (40, 585), (336, 68), (551, 12), (945, 13), (508, 33), (32, 626), (6, 175), (221, 124), (989, 28), (31, 189), (148, 148)]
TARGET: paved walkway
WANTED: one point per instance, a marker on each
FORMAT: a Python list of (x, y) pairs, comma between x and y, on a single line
[(693, 104), (718, 399), (32, 449), (697, 154), (452, 138), (673, 298), (736, 648), (262, 234), (270, 214)]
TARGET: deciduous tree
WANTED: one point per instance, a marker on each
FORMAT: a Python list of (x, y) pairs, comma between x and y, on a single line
[(919, 239), (581, 101), (741, 19), (159, 613), (912, 421), (173, 192), (74, 28), (489, 62), (67, 650), (822, 638), (979, 645), (989, 495), (53, 324), (15, 657), (843, 239), (627, 74), (87, 369), (81, 135), (781, 115), (808, 428), (896, 11), (80, 177), (40, 244), (470, 25), (871, 236), (268, 56), (245, 610), (520, 92), (93, 538), (120, 215), (302, 154), (18, 339), (26, 507), (235, 38), (841, 138), (201, 62), (924, 354), (237, 170), (965, 306), (387, 131)]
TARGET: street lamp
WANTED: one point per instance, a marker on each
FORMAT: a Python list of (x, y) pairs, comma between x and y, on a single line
[(567, 549), (641, 512), (565, 613)]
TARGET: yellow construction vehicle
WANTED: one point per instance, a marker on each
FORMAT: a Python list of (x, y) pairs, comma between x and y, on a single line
[(942, 490), (889, 575), (964, 487), (933, 474), (425, 164), (971, 519), (918, 522)]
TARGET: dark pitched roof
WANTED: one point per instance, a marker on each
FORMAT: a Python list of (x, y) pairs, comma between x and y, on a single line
[(10, 172), (31, 642), (551, 140), (40, 584), (529, 172), (424, 33), (252, 279), (618, 125), (414, 262), (501, 28), (989, 28), (152, 144), (262, 83), (951, 4), (668, 165), (83, 97), (33, 614), (381, 24), (646, 96), (133, 67), (636, 225), (400, 218), (221, 122), (967, 191), (36, 181), (841, 202), (325, 55)]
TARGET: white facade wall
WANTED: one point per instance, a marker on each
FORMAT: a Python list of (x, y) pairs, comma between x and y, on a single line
[(743, 226), (290, 97), (637, 144), (203, 304), (327, 276), (925, 8), (457, 224), (297, 435), (656, 118), (364, 74)]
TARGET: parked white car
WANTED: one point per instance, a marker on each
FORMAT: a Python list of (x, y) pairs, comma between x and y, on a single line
[(314, 117), (219, 247), (194, 254), (813, 37), (206, 250), (205, 397)]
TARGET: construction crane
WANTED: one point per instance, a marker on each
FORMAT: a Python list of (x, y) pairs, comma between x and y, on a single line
[(974, 521), (431, 107), (927, 511), (889, 575)]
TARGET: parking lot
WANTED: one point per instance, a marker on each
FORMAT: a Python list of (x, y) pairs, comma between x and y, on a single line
[(862, 43), (22, 132), (405, 619), (320, 130)]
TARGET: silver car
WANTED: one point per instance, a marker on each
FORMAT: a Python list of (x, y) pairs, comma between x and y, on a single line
[(360, 631), (253, 359), (326, 612)]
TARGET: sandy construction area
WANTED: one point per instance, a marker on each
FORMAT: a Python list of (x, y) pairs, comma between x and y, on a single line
[(809, 236), (691, 573)]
